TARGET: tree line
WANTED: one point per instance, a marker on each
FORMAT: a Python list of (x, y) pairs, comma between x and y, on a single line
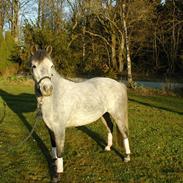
[(117, 38)]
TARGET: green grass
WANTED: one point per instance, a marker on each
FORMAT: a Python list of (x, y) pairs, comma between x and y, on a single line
[(156, 139)]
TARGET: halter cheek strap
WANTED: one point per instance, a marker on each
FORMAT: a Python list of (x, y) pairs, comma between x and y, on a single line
[(39, 95)]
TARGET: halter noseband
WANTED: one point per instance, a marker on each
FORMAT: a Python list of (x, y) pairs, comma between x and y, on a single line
[(45, 77), (37, 86)]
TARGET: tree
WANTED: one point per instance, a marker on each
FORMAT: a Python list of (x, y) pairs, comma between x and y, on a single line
[(15, 8), (50, 13), (106, 24), (9, 13), (128, 58), (2, 14), (168, 36)]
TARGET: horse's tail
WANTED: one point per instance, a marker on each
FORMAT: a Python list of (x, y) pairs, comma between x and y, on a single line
[(124, 125)]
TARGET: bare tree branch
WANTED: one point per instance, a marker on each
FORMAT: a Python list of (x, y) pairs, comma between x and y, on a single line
[(97, 35)]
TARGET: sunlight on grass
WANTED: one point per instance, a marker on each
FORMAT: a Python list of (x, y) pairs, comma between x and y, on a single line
[(156, 128)]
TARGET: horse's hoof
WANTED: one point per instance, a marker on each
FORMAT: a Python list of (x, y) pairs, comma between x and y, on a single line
[(107, 148), (57, 178), (54, 180), (127, 159)]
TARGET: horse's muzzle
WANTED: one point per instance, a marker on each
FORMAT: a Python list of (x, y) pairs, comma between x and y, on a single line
[(45, 86), (46, 90)]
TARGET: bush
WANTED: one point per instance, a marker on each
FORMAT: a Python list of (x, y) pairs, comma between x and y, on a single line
[(7, 46), (57, 39)]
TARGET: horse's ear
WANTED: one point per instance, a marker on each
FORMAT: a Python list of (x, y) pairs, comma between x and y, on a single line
[(49, 50), (34, 48)]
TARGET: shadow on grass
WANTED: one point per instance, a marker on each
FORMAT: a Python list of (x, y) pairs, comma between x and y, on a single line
[(98, 139), (168, 108), (24, 103)]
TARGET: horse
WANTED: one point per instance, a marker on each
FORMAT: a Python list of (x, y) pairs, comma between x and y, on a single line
[(64, 103)]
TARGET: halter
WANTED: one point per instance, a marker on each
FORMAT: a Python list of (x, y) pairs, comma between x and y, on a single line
[(39, 94), (45, 77)]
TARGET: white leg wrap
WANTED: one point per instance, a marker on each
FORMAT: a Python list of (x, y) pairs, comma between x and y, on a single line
[(126, 146), (59, 164), (109, 143), (109, 139), (54, 153)]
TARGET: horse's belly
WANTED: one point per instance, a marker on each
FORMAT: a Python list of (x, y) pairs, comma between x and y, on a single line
[(84, 119)]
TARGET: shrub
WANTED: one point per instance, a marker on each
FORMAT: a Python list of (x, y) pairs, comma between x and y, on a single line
[(7, 46), (57, 39)]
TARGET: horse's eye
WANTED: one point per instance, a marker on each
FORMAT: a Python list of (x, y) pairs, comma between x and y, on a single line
[(33, 66), (52, 66)]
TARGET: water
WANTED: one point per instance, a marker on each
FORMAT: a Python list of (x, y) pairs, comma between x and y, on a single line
[(160, 85)]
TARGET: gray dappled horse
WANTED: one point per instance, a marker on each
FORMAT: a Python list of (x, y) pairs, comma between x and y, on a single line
[(65, 103)]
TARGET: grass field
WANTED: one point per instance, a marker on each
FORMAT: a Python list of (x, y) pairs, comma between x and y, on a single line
[(156, 139)]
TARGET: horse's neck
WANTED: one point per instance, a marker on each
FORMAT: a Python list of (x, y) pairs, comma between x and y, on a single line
[(59, 80)]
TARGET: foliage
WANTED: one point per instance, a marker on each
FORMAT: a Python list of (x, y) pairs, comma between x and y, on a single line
[(7, 47), (88, 37)]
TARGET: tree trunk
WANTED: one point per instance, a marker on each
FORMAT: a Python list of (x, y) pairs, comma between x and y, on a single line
[(1, 23), (57, 15), (121, 51), (15, 20), (155, 50), (41, 13), (2, 14), (173, 43), (113, 50), (84, 40), (129, 64)]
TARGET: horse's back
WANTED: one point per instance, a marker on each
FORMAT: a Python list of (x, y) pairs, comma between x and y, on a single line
[(109, 86), (112, 92)]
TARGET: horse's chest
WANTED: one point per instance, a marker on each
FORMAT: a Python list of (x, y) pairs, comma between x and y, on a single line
[(47, 112)]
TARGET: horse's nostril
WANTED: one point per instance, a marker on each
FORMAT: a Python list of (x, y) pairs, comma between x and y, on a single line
[(45, 88)]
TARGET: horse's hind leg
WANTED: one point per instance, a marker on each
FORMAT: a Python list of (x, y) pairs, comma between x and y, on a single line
[(122, 134), (122, 131), (109, 125)]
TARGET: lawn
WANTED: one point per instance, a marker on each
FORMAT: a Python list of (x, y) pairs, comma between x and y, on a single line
[(156, 139)]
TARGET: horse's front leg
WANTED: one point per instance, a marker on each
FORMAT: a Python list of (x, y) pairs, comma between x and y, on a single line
[(53, 144), (60, 139)]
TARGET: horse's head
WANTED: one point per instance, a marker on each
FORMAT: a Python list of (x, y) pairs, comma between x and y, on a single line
[(42, 69)]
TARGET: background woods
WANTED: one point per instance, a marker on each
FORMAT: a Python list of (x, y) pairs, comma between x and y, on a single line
[(93, 37)]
